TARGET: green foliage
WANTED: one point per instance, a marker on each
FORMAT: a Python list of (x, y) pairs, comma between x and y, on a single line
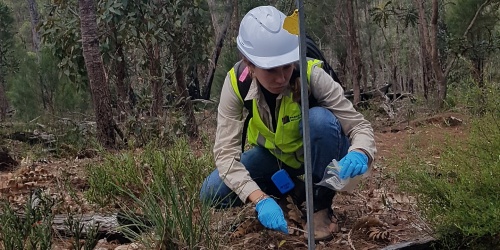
[(60, 31), (119, 170), (229, 56), (482, 38), (464, 92), (7, 62), (128, 171), (38, 87), (33, 230), (164, 185), (77, 228), (382, 12), (24, 90), (460, 195)]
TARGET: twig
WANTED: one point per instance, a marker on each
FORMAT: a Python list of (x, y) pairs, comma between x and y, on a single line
[(298, 229), (349, 240)]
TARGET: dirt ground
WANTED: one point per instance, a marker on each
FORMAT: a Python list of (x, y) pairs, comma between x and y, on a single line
[(374, 216)]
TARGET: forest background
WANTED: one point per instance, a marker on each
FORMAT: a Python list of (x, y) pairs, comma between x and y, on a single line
[(128, 74)]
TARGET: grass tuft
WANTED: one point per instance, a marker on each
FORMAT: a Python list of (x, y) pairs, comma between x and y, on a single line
[(157, 191)]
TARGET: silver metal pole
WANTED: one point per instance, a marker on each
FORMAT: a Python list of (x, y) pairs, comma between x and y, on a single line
[(305, 126)]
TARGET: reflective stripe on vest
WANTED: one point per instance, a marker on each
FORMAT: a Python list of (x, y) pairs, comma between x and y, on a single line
[(286, 142)]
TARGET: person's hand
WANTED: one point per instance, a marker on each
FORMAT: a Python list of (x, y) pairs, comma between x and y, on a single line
[(353, 164), (270, 215)]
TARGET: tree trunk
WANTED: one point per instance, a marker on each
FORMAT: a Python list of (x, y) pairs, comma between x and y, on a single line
[(425, 48), (35, 19), (212, 7), (218, 48), (123, 101), (438, 71), (354, 52), (371, 64), (95, 69), (364, 69), (235, 22), (156, 79), (182, 91), (4, 104)]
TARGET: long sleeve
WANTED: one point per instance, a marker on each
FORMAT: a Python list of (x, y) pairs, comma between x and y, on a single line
[(227, 147), (330, 95)]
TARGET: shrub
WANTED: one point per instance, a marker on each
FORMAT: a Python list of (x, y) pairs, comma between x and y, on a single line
[(460, 196)]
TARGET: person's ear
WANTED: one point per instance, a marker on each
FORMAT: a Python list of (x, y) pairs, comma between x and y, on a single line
[(251, 68)]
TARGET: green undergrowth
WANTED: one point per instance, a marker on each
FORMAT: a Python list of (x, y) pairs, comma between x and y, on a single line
[(157, 192), (27, 228), (459, 193)]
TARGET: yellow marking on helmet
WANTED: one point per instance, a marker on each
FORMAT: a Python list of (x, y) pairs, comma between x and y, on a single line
[(291, 23)]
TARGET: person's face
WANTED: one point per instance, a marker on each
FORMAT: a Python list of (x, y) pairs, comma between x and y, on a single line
[(275, 80)]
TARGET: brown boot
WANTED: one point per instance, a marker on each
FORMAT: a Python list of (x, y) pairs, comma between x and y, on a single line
[(323, 225)]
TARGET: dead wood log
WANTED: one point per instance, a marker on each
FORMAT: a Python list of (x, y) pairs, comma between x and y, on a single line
[(109, 226), (33, 137)]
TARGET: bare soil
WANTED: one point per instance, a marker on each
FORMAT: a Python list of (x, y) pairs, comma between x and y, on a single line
[(376, 215)]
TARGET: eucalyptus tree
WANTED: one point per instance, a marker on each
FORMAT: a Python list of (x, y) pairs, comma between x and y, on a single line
[(164, 38), (470, 33), (189, 39), (35, 19), (472, 26), (173, 37), (396, 47), (95, 69), (326, 24), (7, 62), (220, 31), (354, 51), (116, 20)]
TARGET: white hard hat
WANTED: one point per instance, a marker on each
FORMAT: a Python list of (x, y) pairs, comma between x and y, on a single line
[(264, 42)]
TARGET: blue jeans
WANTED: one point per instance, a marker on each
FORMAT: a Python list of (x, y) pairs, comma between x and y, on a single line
[(327, 142)]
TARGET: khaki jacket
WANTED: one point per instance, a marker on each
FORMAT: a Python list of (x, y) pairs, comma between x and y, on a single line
[(230, 119)]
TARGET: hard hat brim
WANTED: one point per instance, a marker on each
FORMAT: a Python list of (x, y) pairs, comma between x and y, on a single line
[(274, 61)]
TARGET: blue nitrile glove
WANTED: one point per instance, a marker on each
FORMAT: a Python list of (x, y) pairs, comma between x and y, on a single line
[(353, 164), (271, 215)]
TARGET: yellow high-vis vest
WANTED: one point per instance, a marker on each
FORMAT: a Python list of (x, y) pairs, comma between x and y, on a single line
[(286, 142)]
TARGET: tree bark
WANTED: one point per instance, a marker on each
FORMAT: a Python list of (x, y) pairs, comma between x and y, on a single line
[(123, 101), (220, 34), (188, 109), (364, 69), (156, 82), (235, 22), (35, 19), (354, 52), (425, 48), (370, 47), (4, 104), (95, 69), (212, 7), (438, 71)]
